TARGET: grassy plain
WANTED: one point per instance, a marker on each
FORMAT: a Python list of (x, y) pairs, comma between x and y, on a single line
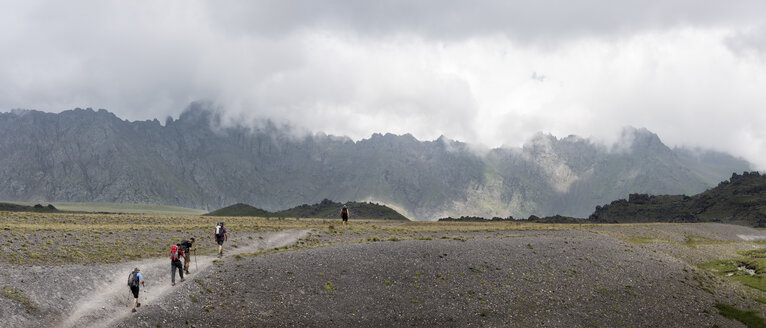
[(59, 238), (119, 208), (84, 238)]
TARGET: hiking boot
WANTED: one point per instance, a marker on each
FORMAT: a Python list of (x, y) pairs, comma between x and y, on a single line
[(172, 283), (187, 272), (138, 304), (182, 279), (134, 310)]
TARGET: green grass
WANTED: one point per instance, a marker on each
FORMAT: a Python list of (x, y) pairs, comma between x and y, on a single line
[(689, 241), (18, 296), (722, 267), (756, 281), (751, 259), (641, 240), (748, 318), (693, 241)]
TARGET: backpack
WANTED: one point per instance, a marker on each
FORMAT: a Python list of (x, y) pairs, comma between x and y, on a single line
[(218, 232), (185, 246), (133, 279), (174, 252)]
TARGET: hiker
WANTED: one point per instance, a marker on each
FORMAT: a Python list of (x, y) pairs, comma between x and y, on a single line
[(175, 263), (134, 279), (221, 235), (344, 215), (186, 247)]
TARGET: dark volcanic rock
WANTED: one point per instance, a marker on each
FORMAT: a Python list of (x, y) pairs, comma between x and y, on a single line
[(741, 200)]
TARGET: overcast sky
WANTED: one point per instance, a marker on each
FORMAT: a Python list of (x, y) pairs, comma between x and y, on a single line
[(486, 72)]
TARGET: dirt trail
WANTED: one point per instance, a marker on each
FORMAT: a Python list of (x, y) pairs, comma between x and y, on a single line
[(112, 301)]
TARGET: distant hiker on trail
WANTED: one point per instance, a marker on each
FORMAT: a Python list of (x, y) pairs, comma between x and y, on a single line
[(221, 235), (344, 214), (175, 263), (186, 248), (134, 279)]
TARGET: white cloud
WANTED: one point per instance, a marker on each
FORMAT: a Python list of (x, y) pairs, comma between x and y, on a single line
[(692, 74)]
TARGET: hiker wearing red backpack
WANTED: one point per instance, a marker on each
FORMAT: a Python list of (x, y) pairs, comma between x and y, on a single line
[(175, 263), (221, 235)]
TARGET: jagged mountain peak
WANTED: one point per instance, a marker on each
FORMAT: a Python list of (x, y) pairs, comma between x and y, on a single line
[(632, 138), (86, 155)]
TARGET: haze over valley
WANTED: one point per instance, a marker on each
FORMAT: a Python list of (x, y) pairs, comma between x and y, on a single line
[(199, 161)]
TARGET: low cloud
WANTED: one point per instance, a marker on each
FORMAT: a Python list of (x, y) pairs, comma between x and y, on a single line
[(491, 74), (749, 42)]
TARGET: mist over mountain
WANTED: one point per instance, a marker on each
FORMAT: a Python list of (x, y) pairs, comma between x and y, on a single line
[(195, 161)]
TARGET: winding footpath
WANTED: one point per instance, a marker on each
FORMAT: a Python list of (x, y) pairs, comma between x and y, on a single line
[(112, 301)]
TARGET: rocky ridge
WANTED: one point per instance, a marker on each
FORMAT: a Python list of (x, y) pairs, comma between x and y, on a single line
[(196, 161)]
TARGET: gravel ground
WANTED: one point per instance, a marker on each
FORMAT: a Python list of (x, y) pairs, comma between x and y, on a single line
[(96, 295), (681, 232), (537, 278), (704, 242), (607, 276)]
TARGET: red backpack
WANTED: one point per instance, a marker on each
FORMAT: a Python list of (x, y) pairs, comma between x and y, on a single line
[(174, 252)]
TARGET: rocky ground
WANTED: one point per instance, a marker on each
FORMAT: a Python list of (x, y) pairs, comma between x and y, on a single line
[(582, 276), (97, 295), (533, 278)]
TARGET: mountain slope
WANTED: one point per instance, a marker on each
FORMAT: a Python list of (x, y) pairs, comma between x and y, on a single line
[(195, 161), (741, 200), (240, 209), (326, 209)]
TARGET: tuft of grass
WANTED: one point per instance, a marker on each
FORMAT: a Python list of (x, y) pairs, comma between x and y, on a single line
[(693, 241), (18, 296), (329, 286), (722, 267), (640, 240), (751, 259), (748, 318), (757, 281)]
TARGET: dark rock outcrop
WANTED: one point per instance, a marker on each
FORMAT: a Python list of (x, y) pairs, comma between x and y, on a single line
[(740, 200)]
